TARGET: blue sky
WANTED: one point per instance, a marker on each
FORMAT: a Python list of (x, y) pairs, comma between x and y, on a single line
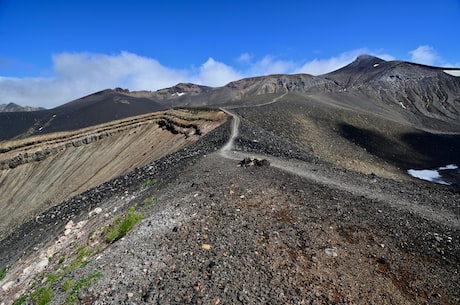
[(54, 51)]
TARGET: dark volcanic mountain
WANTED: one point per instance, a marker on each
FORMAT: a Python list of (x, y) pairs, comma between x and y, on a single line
[(283, 189), (424, 95), (97, 108), (421, 96)]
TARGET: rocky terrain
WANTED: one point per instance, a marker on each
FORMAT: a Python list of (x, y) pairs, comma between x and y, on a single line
[(67, 164), (297, 194)]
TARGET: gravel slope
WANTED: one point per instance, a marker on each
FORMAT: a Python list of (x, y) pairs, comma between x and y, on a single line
[(222, 234)]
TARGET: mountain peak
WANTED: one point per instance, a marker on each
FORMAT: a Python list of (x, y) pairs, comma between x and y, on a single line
[(368, 58)]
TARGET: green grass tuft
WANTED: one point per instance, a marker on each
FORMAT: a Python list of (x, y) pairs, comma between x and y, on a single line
[(75, 287), (51, 278), (149, 202), (123, 226), (68, 284), (20, 300), (43, 295), (149, 183), (3, 272)]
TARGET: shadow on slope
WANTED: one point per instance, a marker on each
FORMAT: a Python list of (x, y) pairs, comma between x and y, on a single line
[(412, 150)]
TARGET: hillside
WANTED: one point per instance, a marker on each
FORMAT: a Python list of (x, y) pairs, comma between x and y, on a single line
[(68, 163), (293, 190), (97, 108)]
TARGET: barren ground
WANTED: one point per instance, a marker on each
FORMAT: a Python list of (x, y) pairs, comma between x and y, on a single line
[(302, 231)]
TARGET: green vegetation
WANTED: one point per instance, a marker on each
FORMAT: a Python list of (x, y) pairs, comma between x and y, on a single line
[(149, 183), (53, 277), (75, 287), (80, 261), (79, 256), (43, 295), (149, 202), (61, 260), (122, 226), (20, 300), (3, 272), (68, 284), (91, 234)]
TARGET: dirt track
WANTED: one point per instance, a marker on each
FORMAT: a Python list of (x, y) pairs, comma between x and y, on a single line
[(232, 235), (313, 234)]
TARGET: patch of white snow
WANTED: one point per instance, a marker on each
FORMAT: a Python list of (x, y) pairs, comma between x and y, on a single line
[(402, 105), (376, 65), (452, 72), (432, 175), (450, 166)]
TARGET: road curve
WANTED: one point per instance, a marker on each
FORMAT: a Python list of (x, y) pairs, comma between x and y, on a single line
[(311, 172)]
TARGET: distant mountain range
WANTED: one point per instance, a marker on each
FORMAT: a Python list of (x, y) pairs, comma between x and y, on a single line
[(12, 107), (423, 96)]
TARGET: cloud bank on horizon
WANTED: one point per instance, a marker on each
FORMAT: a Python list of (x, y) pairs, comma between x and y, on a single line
[(79, 74)]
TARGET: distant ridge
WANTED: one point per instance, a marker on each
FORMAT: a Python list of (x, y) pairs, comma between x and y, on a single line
[(101, 107), (423, 96), (12, 107)]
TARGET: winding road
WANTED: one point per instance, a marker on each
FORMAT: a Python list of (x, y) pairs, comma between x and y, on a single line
[(334, 180)]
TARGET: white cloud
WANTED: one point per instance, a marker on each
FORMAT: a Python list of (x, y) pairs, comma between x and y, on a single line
[(214, 73), (322, 66), (126, 70), (244, 58), (270, 65), (424, 55), (78, 74)]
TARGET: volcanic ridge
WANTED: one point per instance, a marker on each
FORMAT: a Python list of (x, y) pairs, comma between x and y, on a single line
[(279, 189)]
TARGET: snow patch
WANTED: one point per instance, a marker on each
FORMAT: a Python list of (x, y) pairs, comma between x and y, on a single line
[(432, 175), (376, 65), (452, 72), (450, 166), (178, 94), (402, 105)]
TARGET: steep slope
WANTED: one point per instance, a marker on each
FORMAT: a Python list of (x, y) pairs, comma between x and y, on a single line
[(299, 231), (423, 95), (353, 139), (40, 172)]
